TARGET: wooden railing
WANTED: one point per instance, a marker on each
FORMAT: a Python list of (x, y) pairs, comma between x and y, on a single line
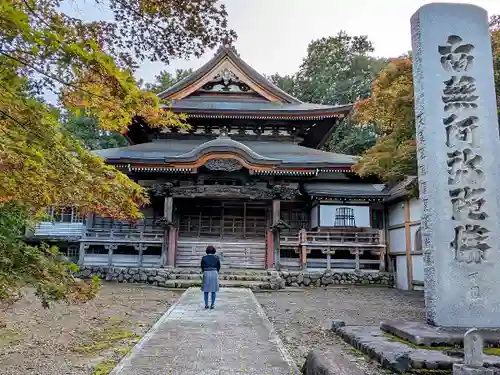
[(357, 241), (343, 238), (125, 235), (145, 231)]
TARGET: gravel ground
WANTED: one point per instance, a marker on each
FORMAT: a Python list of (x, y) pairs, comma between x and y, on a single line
[(76, 340), (303, 318)]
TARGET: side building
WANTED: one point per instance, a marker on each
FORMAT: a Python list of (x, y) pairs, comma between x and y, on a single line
[(249, 177)]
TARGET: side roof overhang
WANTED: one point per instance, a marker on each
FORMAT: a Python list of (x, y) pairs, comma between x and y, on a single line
[(340, 191)]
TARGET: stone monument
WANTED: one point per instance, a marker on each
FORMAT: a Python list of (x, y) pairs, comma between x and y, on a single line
[(458, 148), (473, 359)]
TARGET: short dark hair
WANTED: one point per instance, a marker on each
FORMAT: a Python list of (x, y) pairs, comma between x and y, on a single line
[(211, 249)]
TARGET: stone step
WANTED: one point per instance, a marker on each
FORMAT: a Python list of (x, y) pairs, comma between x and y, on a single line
[(184, 284), (223, 276), (223, 271)]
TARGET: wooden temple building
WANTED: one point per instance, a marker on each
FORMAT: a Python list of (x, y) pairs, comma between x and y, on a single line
[(249, 177)]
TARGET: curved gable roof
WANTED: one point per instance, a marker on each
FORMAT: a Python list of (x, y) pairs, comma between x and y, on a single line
[(227, 56)]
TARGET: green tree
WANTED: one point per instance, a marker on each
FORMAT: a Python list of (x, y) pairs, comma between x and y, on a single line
[(391, 108), (338, 70), (352, 139), (89, 65), (287, 83), (165, 80), (87, 131)]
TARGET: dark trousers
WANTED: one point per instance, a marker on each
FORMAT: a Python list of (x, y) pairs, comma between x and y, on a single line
[(206, 298)]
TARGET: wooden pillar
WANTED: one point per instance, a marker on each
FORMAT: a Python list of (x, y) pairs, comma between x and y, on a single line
[(168, 245), (270, 249), (110, 253), (81, 255), (172, 246), (409, 259), (356, 254), (303, 248), (141, 249), (276, 232), (382, 251), (387, 238)]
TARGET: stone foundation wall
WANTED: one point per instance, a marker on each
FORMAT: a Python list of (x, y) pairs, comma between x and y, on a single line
[(271, 279), (154, 276), (325, 278)]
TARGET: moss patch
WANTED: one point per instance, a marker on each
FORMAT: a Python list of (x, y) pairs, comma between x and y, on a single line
[(10, 336), (107, 338), (488, 351), (105, 367), (492, 351), (356, 352), (413, 346), (430, 372), (114, 334)]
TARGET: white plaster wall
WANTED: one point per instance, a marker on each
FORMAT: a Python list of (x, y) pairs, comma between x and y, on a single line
[(397, 240), (415, 209), (418, 267), (413, 231), (401, 273), (361, 215), (396, 214)]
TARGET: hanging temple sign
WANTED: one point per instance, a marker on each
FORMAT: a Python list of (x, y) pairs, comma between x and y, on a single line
[(465, 163)]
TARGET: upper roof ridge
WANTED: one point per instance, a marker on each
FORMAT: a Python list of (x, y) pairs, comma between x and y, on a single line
[(228, 51)]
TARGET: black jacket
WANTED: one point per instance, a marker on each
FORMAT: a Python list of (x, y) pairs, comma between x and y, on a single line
[(210, 261)]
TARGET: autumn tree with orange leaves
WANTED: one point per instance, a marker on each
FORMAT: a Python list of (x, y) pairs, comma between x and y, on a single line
[(391, 109), (89, 66)]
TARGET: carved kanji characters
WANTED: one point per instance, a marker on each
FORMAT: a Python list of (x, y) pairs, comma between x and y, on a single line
[(470, 243), (456, 56), (464, 167), (458, 93), (468, 203), (458, 131)]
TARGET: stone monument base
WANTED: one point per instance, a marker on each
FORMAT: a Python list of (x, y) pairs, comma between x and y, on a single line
[(422, 334), (461, 369), (403, 346)]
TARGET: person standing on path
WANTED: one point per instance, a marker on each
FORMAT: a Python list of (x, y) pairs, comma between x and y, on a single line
[(210, 266)]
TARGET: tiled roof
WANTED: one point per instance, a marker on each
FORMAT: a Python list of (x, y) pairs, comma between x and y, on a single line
[(174, 149), (341, 189)]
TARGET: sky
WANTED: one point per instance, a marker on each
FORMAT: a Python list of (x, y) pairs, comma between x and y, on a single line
[(273, 34)]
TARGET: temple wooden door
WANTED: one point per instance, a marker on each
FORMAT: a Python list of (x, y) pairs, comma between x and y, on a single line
[(237, 229)]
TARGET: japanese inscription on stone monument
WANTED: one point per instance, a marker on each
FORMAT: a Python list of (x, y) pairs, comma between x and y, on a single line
[(458, 147), (465, 170)]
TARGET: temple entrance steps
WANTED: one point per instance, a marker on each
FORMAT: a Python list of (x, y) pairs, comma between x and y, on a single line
[(229, 278)]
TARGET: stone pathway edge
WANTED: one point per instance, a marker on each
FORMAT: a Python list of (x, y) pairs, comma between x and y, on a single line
[(273, 336), (137, 347)]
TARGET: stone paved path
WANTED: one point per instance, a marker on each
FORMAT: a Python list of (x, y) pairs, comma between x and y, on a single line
[(235, 338)]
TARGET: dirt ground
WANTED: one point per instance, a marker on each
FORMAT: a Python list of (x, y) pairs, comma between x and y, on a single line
[(303, 318), (90, 338), (79, 340)]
